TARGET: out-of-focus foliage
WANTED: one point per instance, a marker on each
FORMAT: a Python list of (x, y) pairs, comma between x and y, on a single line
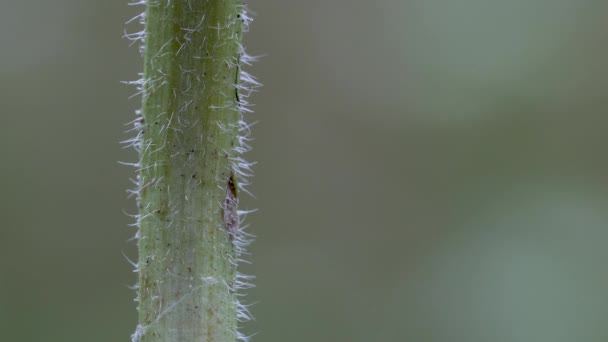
[(429, 170)]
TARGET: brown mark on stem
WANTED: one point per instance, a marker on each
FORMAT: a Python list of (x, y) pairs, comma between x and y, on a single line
[(231, 217)]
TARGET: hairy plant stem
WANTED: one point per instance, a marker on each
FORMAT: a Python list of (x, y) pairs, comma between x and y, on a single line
[(187, 198)]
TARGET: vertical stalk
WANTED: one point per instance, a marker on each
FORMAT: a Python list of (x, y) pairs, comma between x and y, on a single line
[(190, 171)]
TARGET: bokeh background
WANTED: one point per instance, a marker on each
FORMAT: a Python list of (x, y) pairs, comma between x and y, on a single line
[(428, 170)]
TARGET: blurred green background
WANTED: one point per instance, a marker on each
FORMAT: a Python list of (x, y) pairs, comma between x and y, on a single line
[(428, 170)]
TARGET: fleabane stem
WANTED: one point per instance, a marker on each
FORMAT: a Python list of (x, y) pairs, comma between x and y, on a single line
[(190, 134)]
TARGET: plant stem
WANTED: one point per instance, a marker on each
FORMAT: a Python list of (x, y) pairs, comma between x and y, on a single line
[(189, 239)]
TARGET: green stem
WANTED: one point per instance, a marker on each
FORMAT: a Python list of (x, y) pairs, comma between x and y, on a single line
[(189, 239)]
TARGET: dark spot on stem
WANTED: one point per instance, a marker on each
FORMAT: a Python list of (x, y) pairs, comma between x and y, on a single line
[(231, 218), (236, 79)]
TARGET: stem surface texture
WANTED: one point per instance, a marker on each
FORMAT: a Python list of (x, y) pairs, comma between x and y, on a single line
[(190, 173)]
